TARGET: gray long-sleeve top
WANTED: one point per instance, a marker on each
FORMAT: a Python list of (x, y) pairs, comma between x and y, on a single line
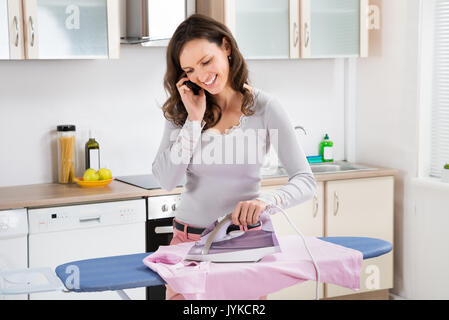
[(222, 169)]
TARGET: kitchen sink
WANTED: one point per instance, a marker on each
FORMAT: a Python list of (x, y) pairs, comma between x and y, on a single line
[(324, 168), (338, 166)]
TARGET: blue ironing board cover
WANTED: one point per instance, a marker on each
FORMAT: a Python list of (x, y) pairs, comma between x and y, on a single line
[(110, 273), (370, 247), (128, 271)]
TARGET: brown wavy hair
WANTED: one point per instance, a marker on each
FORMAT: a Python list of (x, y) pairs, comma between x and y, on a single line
[(199, 26)]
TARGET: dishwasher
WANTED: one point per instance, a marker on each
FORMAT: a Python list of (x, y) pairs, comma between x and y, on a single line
[(58, 235)]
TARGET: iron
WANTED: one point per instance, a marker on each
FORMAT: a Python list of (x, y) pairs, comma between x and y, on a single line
[(223, 241)]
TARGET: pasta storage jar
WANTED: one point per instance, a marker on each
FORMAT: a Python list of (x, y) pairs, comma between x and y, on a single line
[(66, 153)]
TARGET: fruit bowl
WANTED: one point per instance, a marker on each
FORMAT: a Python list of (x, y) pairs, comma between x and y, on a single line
[(92, 184)]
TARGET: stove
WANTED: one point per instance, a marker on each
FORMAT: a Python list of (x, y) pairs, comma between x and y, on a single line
[(145, 181), (160, 213)]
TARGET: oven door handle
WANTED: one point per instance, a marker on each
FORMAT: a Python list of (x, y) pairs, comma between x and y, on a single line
[(163, 230)]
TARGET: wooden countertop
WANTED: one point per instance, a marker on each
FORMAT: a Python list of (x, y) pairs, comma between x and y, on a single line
[(54, 194), (378, 172)]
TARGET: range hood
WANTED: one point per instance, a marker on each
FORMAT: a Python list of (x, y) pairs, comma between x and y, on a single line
[(152, 22)]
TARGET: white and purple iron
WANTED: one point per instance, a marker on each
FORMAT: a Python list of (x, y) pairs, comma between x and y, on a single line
[(225, 242)]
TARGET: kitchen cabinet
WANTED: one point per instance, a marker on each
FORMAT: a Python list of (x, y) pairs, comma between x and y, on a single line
[(273, 29), (364, 208), (264, 29), (333, 29), (13, 245), (309, 218), (352, 207), (11, 30), (64, 29), (4, 30)]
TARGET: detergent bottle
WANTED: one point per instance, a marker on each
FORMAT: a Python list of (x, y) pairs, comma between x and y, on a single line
[(326, 149)]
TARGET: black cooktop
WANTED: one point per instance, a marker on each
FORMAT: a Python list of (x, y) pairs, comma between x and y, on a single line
[(145, 181)]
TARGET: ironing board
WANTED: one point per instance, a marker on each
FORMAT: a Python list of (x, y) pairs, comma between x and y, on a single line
[(127, 271)]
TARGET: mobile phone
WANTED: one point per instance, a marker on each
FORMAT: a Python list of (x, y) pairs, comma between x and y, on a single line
[(193, 86)]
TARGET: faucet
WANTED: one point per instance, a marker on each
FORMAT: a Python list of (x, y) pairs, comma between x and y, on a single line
[(280, 168), (296, 128), (302, 128)]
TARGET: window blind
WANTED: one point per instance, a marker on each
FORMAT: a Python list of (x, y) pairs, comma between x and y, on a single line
[(440, 91)]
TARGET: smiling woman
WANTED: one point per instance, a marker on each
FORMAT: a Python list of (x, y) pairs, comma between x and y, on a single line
[(214, 138), (208, 69), (200, 49)]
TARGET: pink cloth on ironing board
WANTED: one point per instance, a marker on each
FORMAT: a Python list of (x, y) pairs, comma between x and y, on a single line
[(219, 281)]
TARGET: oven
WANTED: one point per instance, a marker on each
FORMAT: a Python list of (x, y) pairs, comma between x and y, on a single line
[(160, 213)]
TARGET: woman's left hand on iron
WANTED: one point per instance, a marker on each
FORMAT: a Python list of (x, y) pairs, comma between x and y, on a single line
[(248, 212)]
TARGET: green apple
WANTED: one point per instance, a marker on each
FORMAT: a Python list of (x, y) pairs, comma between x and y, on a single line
[(91, 175), (104, 174), (446, 166), (89, 171)]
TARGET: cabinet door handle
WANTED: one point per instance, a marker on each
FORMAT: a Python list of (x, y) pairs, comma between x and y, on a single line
[(337, 203), (295, 34), (315, 206), (163, 230), (306, 35), (30, 20), (16, 26)]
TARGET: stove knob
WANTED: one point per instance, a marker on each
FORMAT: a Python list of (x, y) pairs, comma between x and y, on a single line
[(164, 208), (173, 207)]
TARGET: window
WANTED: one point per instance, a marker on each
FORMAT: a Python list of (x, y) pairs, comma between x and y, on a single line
[(434, 88), (440, 89)]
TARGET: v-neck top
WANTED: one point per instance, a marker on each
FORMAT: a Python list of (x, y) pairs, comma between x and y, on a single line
[(220, 170)]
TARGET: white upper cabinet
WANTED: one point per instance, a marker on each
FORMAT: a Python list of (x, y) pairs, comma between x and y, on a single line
[(11, 30), (264, 29), (261, 28), (333, 29), (63, 29), (282, 29), (4, 37)]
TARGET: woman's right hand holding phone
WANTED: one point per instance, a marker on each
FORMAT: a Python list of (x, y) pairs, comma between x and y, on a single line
[(194, 104)]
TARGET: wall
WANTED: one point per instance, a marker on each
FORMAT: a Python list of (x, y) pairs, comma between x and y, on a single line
[(120, 99), (388, 119), (387, 107), (428, 252)]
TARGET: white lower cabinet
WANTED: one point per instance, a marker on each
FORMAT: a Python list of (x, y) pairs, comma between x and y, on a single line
[(13, 246), (362, 208), (353, 207)]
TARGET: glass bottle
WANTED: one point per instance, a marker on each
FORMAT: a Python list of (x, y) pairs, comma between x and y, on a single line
[(92, 152), (66, 153)]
